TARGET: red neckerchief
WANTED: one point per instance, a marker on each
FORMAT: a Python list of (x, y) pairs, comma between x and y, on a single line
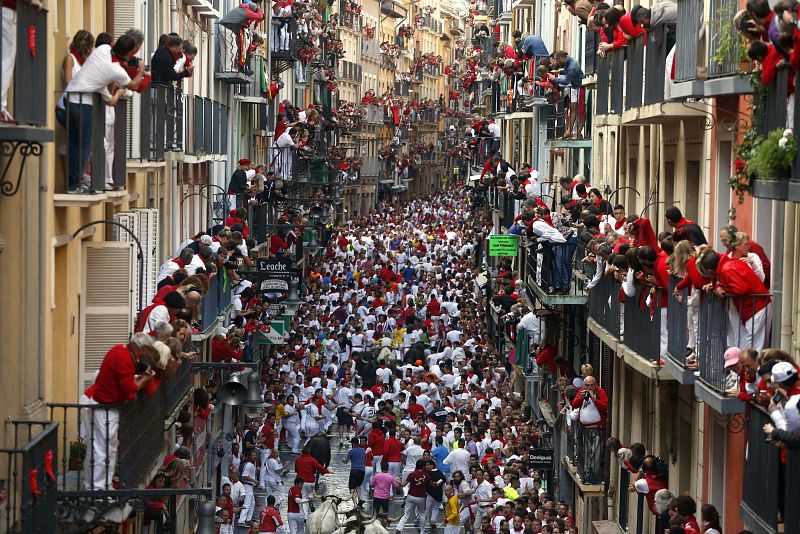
[(619, 224), (180, 262), (78, 57)]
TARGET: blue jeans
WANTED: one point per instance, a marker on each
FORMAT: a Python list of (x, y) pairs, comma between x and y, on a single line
[(567, 254), (79, 141)]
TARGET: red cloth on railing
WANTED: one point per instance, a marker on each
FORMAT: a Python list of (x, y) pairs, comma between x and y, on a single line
[(740, 282)]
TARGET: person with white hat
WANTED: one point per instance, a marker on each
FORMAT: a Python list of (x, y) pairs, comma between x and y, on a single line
[(783, 407)]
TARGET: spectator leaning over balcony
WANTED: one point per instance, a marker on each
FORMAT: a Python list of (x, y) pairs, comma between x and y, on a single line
[(9, 51), (652, 476), (683, 263), (783, 408), (656, 277), (727, 235), (591, 402), (237, 186), (735, 279), (164, 311), (571, 79), (103, 68), (125, 370), (162, 64), (283, 153), (680, 224)]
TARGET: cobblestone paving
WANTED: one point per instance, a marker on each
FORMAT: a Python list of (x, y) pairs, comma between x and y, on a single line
[(331, 484)]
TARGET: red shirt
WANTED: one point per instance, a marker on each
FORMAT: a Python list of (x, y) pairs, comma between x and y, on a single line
[(418, 481), (414, 410), (376, 440), (739, 280), (693, 276), (654, 484), (393, 450), (292, 505), (434, 308), (270, 520), (114, 383), (601, 403), (306, 466)]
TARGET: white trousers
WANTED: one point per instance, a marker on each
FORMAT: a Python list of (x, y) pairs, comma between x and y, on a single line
[(415, 508), (452, 529), (108, 143), (249, 506), (754, 330), (693, 316), (293, 438), (432, 507), (662, 346), (100, 432), (365, 485), (297, 523), (9, 54)]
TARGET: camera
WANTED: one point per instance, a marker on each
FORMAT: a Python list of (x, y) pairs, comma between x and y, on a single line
[(586, 394), (778, 397), (134, 62)]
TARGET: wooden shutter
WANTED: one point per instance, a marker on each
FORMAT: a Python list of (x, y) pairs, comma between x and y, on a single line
[(106, 312), (143, 222)]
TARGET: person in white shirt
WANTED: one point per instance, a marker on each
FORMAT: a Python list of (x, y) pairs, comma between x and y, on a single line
[(458, 460), (97, 73)]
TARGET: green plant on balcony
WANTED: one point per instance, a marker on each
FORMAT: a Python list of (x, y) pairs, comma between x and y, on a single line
[(730, 45)]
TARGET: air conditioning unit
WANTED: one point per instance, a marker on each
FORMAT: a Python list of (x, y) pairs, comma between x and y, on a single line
[(143, 222)]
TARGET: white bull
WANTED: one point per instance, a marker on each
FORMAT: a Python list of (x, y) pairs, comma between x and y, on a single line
[(325, 519)]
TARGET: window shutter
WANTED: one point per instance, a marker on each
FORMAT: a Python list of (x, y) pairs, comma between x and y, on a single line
[(106, 314), (125, 16), (143, 222)]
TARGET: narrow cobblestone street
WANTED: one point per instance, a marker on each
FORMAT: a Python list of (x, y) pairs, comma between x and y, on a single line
[(331, 484)]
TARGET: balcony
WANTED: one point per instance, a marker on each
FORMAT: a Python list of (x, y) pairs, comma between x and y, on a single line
[(27, 508), (206, 127), (229, 68), (402, 88), (586, 457), (372, 167), (604, 307), (370, 48), (393, 9), (215, 303), (388, 61), (162, 123), (553, 266), (770, 492), (307, 164), (86, 164), (688, 40), (642, 330), (725, 52), (678, 325), (27, 93), (610, 82), (720, 328), (254, 92), (350, 71), (349, 20), (785, 187), (375, 114)]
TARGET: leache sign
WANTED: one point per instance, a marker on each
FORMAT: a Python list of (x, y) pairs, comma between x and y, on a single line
[(503, 245)]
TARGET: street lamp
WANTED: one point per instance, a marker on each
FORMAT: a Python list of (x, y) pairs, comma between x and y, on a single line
[(292, 301)]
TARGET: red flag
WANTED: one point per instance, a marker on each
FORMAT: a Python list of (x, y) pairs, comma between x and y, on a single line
[(33, 482), (48, 465)]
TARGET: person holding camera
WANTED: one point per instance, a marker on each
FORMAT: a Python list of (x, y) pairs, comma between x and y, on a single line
[(591, 401)]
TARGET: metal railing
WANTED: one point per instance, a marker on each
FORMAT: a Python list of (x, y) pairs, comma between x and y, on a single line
[(29, 33), (162, 126), (259, 85), (617, 81), (590, 44), (635, 73), (102, 443), (402, 88), (677, 322), (87, 162), (723, 39), (762, 466), (721, 327), (350, 20), (603, 74), (206, 126), (687, 32), (590, 453), (29, 472), (284, 38), (216, 300), (643, 323), (604, 307), (370, 48), (558, 266), (655, 66), (774, 116), (375, 114)]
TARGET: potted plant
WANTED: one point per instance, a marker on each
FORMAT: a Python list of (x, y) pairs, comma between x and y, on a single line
[(77, 455)]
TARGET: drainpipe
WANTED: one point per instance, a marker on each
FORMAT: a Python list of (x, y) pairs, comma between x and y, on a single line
[(173, 15), (44, 243), (783, 278)]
